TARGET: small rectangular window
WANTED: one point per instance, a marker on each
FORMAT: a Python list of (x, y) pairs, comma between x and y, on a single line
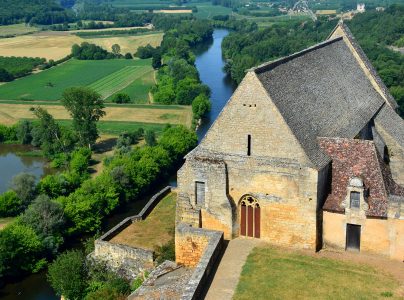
[(249, 145), (355, 199), (200, 192)]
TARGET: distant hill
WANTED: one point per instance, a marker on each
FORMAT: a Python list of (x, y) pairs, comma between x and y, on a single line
[(43, 12)]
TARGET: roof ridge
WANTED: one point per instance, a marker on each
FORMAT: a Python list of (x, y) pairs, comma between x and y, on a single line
[(269, 65)]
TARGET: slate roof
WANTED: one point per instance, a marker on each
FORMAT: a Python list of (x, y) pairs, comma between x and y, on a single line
[(385, 91), (321, 92), (392, 123), (359, 158)]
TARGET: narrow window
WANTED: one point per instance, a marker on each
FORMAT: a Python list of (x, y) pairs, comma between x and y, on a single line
[(200, 192), (249, 145), (355, 199)]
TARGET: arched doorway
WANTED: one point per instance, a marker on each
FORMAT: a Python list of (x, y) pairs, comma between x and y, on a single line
[(250, 217)]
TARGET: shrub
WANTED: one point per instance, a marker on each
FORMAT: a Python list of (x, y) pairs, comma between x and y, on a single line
[(10, 204), (68, 275), (20, 250), (121, 98), (165, 252)]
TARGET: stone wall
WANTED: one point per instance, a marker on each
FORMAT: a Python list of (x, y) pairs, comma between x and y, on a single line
[(124, 260), (198, 248), (127, 261), (378, 236)]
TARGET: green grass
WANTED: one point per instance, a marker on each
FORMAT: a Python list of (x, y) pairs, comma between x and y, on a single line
[(117, 127), (50, 84), (206, 10), (139, 89), (5, 221), (16, 29), (115, 82), (156, 230), (286, 275)]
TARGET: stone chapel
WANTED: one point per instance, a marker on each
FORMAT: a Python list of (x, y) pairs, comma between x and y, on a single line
[(307, 153)]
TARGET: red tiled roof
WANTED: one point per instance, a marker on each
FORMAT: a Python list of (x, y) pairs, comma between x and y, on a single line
[(358, 158)]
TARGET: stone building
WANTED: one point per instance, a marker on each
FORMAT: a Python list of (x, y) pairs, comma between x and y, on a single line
[(308, 152)]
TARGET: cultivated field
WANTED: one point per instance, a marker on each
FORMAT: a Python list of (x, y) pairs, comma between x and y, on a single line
[(206, 10), (114, 82), (326, 12), (16, 29), (154, 114), (290, 275), (57, 44), (104, 75)]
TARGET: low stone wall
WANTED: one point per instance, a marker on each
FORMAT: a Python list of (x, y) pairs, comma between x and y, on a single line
[(199, 248), (125, 260), (150, 205)]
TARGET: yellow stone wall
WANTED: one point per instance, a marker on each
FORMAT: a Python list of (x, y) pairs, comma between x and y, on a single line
[(378, 236), (189, 248)]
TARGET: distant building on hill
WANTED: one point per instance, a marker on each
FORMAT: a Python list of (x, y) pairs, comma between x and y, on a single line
[(307, 153), (360, 7)]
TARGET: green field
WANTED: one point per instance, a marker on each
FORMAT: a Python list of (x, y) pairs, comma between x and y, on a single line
[(113, 83), (268, 21), (106, 75), (206, 10), (289, 275)]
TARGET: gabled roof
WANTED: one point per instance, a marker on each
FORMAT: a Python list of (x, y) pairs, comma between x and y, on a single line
[(321, 91), (359, 158), (347, 34)]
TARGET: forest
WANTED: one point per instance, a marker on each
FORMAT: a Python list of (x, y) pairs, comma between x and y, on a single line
[(375, 32)]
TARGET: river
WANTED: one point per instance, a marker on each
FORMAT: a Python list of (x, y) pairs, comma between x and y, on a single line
[(13, 161), (209, 63)]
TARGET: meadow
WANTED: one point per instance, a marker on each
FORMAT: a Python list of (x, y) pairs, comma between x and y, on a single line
[(104, 75), (16, 29), (290, 275), (206, 10), (57, 44)]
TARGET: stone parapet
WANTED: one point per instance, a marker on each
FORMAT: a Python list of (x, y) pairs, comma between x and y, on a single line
[(199, 248), (125, 260)]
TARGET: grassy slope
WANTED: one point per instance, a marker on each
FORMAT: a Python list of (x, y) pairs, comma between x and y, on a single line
[(156, 229), (71, 73), (16, 29), (287, 275)]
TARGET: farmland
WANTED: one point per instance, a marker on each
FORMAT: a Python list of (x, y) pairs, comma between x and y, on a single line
[(56, 45), (156, 114), (16, 29), (50, 84)]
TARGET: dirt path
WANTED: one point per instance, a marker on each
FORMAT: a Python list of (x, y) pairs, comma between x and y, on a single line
[(228, 272)]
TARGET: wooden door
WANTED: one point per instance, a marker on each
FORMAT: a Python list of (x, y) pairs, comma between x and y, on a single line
[(353, 237), (257, 221)]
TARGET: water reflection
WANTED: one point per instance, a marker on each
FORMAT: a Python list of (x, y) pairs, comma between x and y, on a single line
[(13, 162)]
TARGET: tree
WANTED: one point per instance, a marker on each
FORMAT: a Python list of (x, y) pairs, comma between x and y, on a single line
[(156, 60), (5, 76), (178, 140), (128, 56), (20, 250), (47, 133), (80, 160), (150, 137), (46, 218), (200, 106), (121, 98), (116, 49), (86, 108), (10, 204), (67, 275), (24, 134), (23, 185)]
